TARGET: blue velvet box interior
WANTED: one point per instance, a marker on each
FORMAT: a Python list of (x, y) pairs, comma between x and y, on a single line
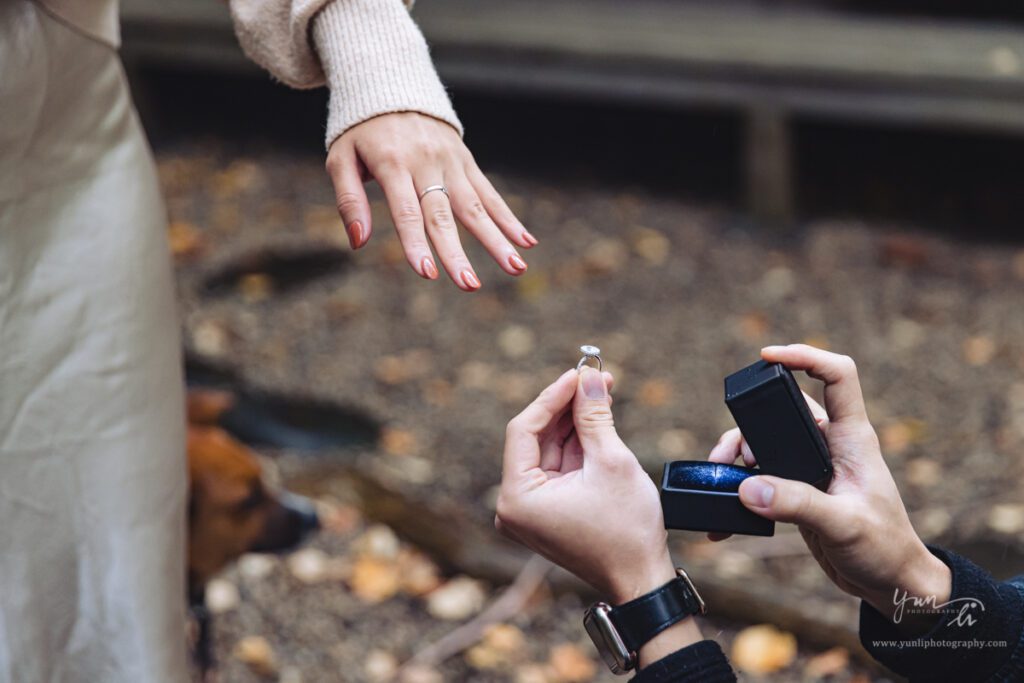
[(704, 496)]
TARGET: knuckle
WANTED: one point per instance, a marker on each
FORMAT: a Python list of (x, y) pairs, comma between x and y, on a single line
[(441, 219), (407, 213), (847, 366), (598, 417), (347, 202), (475, 209)]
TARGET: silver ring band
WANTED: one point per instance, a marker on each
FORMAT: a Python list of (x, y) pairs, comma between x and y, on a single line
[(434, 188), (590, 353)]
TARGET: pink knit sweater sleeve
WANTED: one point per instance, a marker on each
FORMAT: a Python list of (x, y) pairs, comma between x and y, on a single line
[(370, 53)]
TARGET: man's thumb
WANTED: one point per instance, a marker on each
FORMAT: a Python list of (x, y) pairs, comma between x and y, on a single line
[(592, 409), (785, 500)]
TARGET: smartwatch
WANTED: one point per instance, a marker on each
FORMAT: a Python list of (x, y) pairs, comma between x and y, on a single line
[(619, 632)]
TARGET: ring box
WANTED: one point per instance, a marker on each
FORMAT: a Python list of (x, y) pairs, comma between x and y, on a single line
[(773, 416), (704, 496)]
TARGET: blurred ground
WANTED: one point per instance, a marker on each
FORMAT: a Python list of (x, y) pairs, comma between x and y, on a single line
[(677, 296)]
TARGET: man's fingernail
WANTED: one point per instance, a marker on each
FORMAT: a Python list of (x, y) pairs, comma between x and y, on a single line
[(516, 262), (429, 269), (773, 347), (593, 383), (355, 234), (470, 280), (757, 492)]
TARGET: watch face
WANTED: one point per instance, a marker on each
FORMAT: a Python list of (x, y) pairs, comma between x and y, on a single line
[(606, 639)]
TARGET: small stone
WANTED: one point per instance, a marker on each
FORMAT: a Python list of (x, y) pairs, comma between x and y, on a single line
[(516, 341), (571, 664), (535, 673), (257, 654), (923, 472), (460, 598), (378, 541), (419, 673), (1007, 518), (309, 565), (210, 339), (380, 666), (255, 566), (763, 649), (221, 596), (502, 646)]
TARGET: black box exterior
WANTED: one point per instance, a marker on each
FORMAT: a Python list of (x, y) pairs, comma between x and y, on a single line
[(770, 411), (701, 510)]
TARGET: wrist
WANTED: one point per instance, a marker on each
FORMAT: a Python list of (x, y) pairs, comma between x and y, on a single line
[(643, 579), (922, 583)]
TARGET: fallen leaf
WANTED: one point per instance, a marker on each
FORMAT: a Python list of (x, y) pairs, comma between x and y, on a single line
[(978, 350), (257, 654), (828, 663), (752, 326), (651, 245), (185, 240), (906, 251), (255, 287), (571, 664), (221, 596), (398, 442), (458, 599), (654, 393), (501, 646), (896, 437), (763, 649), (375, 580), (205, 406), (419, 574)]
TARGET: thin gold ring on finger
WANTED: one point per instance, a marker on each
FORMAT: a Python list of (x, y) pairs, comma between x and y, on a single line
[(434, 188)]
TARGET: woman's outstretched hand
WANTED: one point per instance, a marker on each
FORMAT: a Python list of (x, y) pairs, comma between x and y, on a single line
[(407, 153), (858, 530)]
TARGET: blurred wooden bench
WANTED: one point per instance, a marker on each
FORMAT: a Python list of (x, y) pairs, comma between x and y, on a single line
[(766, 61)]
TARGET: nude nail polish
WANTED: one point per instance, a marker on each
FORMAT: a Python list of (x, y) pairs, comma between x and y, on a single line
[(470, 280), (530, 239), (516, 262), (428, 268)]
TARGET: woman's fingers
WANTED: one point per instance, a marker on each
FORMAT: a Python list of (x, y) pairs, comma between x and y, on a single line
[(405, 212), (497, 208), (343, 166), (470, 211), (444, 235)]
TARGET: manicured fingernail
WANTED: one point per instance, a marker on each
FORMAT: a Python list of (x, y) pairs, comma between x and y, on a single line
[(773, 347), (428, 268), (530, 239), (593, 383), (355, 234), (516, 262), (469, 279), (757, 492)]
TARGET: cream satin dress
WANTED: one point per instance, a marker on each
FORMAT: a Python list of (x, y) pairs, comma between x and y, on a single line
[(92, 465)]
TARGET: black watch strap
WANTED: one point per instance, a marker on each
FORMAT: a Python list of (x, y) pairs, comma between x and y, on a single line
[(639, 620)]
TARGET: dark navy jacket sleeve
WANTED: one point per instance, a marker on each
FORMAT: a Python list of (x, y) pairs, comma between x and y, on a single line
[(702, 662), (982, 643)]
